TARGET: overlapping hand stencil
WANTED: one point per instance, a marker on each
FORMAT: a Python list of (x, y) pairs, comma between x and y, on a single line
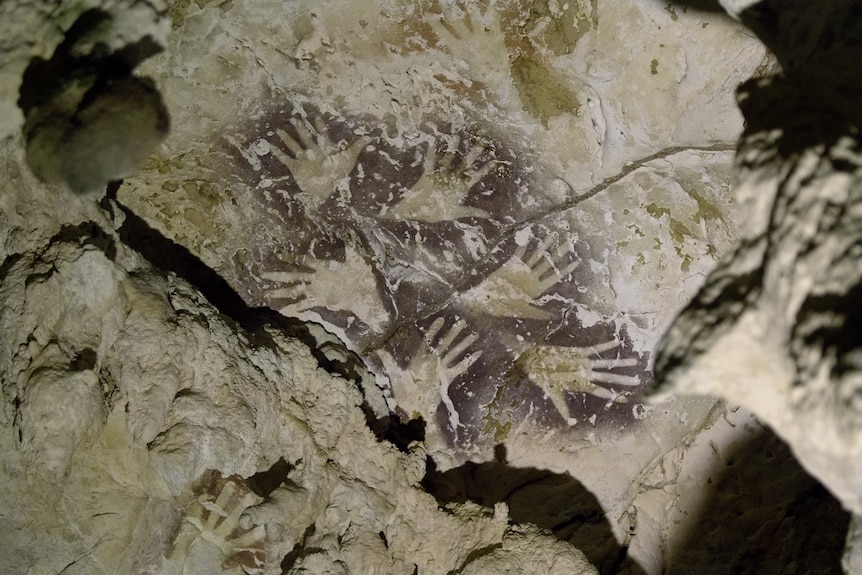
[(435, 361), (318, 166), (559, 370), (214, 508), (405, 264), (348, 285), (514, 288), (441, 191)]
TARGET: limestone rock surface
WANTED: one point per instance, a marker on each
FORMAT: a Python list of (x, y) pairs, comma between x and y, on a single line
[(774, 329), (387, 296), (168, 439)]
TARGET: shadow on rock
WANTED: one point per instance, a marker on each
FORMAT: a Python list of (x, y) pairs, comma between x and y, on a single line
[(764, 515), (553, 501)]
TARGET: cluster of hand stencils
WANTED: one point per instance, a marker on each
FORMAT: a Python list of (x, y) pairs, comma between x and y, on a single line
[(415, 253), (428, 252)]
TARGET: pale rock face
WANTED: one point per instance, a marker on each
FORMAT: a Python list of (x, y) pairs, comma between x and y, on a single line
[(136, 394), (472, 198), (387, 296), (783, 301), (526, 551)]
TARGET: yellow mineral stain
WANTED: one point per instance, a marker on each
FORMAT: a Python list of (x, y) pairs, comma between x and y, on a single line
[(541, 93), (562, 24), (670, 10)]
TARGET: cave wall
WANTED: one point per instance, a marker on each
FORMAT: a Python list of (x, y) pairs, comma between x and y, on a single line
[(377, 288)]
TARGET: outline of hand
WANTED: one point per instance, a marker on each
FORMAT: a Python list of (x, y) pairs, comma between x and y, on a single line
[(318, 166), (510, 290), (470, 34), (334, 285), (216, 520), (446, 354), (434, 360), (558, 370), (439, 194)]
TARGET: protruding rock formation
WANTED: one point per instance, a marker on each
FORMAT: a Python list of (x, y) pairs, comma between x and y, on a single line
[(776, 326), (385, 298)]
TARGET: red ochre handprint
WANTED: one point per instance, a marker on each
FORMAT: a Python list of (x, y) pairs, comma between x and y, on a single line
[(214, 506)]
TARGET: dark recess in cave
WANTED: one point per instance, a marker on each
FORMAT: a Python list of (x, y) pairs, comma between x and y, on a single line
[(553, 501), (265, 482), (765, 514)]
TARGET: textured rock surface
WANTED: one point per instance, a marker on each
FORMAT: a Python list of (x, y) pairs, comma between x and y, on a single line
[(495, 209), (89, 120), (784, 304), (479, 201), (148, 434)]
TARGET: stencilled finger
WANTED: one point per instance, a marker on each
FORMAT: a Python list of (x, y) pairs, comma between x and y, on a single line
[(604, 346), (615, 363), (615, 378), (604, 393), (250, 539), (296, 293), (184, 540), (292, 145), (217, 509), (306, 135), (321, 133), (541, 252), (444, 30), (556, 277), (451, 336), (520, 252), (430, 159), (459, 348), (285, 277), (236, 510), (432, 332), (544, 266), (463, 24), (466, 363)]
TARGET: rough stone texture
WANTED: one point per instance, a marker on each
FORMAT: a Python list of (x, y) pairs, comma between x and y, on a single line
[(148, 434), (479, 199), (784, 303), (88, 119), (437, 184), (495, 209)]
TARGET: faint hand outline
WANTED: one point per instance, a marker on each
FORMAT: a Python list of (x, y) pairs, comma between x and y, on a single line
[(436, 361), (558, 370), (440, 192), (513, 288), (318, 165), (342, 286), (214, 515), (476, 37)]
